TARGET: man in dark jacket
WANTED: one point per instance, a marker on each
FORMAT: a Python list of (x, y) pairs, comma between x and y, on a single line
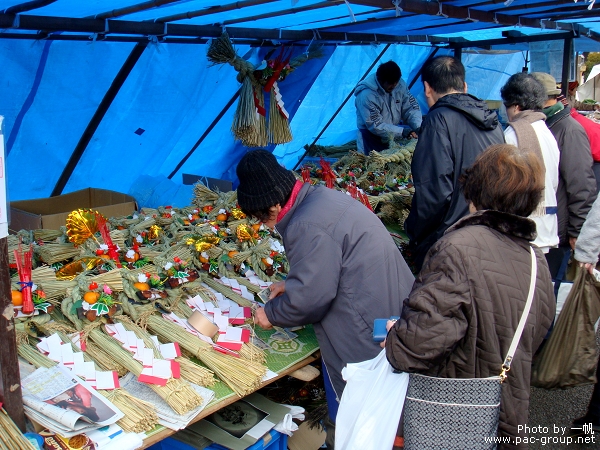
[(456, 130), (345, 270), (576, 182)]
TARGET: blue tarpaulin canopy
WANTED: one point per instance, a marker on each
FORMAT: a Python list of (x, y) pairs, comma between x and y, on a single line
[(119, 94)]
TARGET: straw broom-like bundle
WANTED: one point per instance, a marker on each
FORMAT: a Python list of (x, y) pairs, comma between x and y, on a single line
[(241, 375), (11, 437), (112, 278), (139, 415), (118, 237), (43, 273), (142, 226), (53, 253), (178, 394), (189, 371)]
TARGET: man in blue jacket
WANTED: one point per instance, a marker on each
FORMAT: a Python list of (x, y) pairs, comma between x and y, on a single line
[(456, 130), (383, 102)]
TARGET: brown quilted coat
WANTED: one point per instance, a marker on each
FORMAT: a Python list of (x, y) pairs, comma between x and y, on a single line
[(464, 308)]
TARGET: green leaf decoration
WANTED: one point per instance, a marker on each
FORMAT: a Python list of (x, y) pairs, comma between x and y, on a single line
[(43, 306), (100, 308), (76, 305)]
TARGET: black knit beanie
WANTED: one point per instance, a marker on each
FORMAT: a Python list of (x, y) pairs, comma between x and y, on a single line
[(263, 181)]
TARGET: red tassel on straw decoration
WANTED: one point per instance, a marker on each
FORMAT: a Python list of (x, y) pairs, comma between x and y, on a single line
[(306, 174), (328, 175), (24, 265), (112, 248)]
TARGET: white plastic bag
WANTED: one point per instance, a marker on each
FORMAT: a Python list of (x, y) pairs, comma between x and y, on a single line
[(371, 405)]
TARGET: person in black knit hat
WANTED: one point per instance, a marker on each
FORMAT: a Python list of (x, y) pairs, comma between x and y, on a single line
[(345, 270)]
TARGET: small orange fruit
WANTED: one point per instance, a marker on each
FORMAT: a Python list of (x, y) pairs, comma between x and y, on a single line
[(256, 226), (104, 256), (141, 286), (222, 217), (232, 253), (91, 297), (267, 261), (203, 259), (17, 298)]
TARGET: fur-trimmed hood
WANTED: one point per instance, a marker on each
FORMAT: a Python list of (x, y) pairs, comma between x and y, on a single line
[(506, 223)]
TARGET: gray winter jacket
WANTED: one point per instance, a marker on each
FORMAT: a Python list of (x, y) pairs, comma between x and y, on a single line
[(576, 184), (380, 112), (345, 272), (588, 242)]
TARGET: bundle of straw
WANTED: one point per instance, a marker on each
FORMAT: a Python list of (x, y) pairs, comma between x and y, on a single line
[(11, 437), (225, 290), (46, 235), (189, 371), (42, 274), (53, 253), (177, 393), (203, 195), (279, 128), (112, 278), (140, 416), (241, 375)]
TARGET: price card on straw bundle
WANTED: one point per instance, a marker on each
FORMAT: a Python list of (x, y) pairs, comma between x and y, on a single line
[(3, 201)]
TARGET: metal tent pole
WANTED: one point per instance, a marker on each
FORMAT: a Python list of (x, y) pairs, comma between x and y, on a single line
[(342, 105), (567, 52)]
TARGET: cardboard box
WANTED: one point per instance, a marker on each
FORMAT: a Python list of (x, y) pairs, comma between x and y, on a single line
[(51, 213)]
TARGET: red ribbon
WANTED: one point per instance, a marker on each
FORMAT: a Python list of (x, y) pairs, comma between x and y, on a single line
[(280, 62), (306, 174), (328, 175)]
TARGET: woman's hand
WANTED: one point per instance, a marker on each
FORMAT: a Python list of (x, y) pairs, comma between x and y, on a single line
[(261, 319), (388, 326), (588, 266), (277, 289)]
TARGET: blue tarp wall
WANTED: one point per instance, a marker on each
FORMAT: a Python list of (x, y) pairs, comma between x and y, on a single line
[(51, 89)]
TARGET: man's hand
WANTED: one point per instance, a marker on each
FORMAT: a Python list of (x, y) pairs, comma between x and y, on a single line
[(572, 242), (389, 324), (413, 135), (277, 289), (260, 318)]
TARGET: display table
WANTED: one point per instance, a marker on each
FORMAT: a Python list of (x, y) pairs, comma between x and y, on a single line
[(282, 358)]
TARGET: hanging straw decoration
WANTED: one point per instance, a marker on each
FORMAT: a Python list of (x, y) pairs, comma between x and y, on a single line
[(246, 122), (11, 437)]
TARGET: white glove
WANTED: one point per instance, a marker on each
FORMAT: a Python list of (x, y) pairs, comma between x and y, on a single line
[(287, 425)]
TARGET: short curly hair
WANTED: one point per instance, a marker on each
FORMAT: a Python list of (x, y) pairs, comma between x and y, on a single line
[(524, 90), (505, 178)]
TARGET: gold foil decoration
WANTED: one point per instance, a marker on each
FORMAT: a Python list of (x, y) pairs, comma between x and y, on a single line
[(82, 224), (203, 243), (71, 270), (237, 214), (154, 232), (245, 233)]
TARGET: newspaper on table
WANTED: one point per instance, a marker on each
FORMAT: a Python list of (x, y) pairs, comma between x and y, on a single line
[(63, 403), (166, 416)]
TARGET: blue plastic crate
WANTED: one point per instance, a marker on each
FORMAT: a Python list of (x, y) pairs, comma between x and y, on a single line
[(275, 441)]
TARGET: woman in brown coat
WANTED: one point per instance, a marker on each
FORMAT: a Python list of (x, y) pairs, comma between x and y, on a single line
[(462, 313)]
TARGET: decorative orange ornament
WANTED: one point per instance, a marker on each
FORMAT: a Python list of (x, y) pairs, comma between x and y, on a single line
[(17, 298), (232, 253), (203, 259), (133, 258), (222, 217), (91, 297), (141, 286), (104, 256), (256, 226), (266, 262)]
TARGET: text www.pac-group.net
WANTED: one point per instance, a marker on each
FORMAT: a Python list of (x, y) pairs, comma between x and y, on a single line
[(548, 435)]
